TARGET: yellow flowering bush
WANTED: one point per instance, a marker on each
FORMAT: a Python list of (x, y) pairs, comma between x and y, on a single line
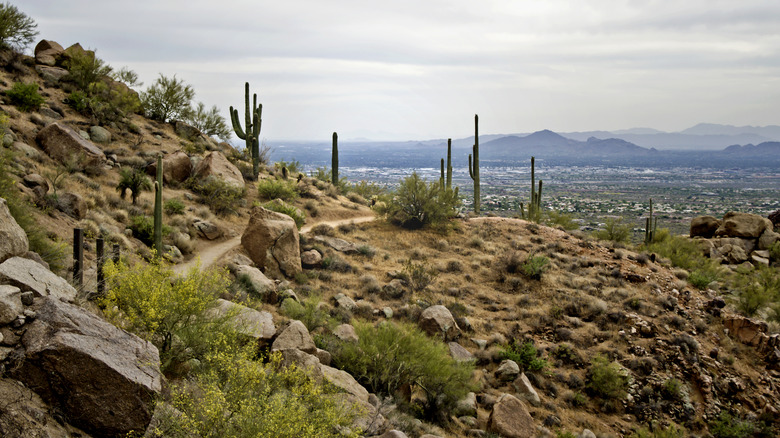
[(152, 302), (237, 396)]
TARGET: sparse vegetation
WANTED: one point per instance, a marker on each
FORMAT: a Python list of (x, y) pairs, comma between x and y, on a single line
[(271, 188), (174, 206), (534, 266), (209, 122), (686, 254), (419, 275)]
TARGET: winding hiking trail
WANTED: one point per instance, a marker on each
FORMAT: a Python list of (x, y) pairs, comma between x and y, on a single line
[(209, 255)]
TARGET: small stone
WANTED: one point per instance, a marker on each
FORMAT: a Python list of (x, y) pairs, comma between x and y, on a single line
[(507, 370), (27, 298), (388, 312)]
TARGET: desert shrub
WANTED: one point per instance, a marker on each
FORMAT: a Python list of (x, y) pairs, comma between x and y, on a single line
[(419, 275), (221, 197), (672, 389), (25, 96), (85, 68), (607, 380), (293, 166), (134, 180), (282, 207), (562, 220), (209, 122), (321, 174), (152, 302), (757, 287), (240, 397), (670, 431), (174, 206), (367, 251), (17, 30), (534, 266), (390, 355), (128, 77), (416, 204), (143, 229), (366, 189), (277, 189), (51, 250), (727, 425), (614, 230), (525, 355), (167, 99), (685, 253), (104, 101), (309, 312)]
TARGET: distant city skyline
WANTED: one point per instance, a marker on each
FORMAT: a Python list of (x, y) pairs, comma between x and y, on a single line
[(408, 70)]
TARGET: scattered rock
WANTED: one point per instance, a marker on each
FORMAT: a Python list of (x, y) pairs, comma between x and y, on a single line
[(294, 336), (459, 353), (337, 244), (767, 239), (102, 378), (524, 388), (345, 381), (177, 167), (72, 204), (302, 360), (10, 303), (437, 321), (393, 434), (510, 418), (467, 406), (346, 333), (52, 75), (249, 322), (47, 52), (271, 241), (13, 239), (324, 356), (507, 370), (99, 134), (31, 276), (27, 150), (207, 229), (259, 281), (345, 302), (311, 258)]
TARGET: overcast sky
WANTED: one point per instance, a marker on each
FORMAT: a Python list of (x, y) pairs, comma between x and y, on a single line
[(421, 69)]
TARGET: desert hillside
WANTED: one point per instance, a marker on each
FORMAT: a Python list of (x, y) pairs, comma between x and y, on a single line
[(285, 305)]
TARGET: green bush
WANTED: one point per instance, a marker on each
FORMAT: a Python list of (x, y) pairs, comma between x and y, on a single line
[(293, 166), (730, 426), (670, 431), (174, 206), (418, 275), (105, 102), (366, 189), (673, 389), (525, 355), (143, 229), (282, 207), (239, 397), (390, 355), (209, 122), (309, 312), (615, 231), (17, 30), (416, 204), (561, 219), (221, 197), (774, 252), (686, 253), (168, 99), (607, 380), (535, 266), (757, 287), (270, 188), (85, 68), (153, 303), (25, 96)]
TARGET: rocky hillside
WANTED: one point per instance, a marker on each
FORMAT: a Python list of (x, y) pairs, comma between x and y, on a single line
[(559, 334)]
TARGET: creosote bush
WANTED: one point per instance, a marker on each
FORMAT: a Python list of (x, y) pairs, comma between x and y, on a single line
[(277, 189), (685, 253), (416, 204), (534, 266), (218, 195), (168, 99), (525, 355), (615, 231), (390, 355), (607, 380)]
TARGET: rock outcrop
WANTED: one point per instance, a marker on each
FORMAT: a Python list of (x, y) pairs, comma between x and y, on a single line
[(102, 378), (177, 167), (510, 418), (746, 225), (738, 238), (47, 52), (271, 241), (63, 143), (29, 275), (13, 239), (215, 165)]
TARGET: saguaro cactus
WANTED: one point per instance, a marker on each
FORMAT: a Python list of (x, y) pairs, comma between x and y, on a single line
[(535, 206), (474, 164), (334, 161), (158, 208), (446, 177), (252, 132), (651, 223)]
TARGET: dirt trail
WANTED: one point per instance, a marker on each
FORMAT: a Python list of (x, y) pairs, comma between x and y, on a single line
[(209, 255)]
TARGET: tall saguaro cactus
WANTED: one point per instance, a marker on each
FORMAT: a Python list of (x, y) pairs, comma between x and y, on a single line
[(158, 185), (535, 206), (651, 223), (252, 132), (474, 164), (334, 161), (446, 177)]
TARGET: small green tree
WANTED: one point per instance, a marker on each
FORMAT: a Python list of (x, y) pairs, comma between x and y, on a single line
[(85, 68), (17, 30), (135, 181), (614, 230), (167, 99), (25, 96), (128, 76), (209, 121)]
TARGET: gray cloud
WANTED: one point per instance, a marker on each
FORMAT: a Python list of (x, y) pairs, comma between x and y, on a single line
[(423, 68)]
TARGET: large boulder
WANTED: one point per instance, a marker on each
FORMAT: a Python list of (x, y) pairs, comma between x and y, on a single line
[(47, 52), (510, 418), (72, 204), (13, 239), (737, 224), (52, 75), (63, 143), (294, 337), (215, 165), (177, 167), (437, 321), (29, 275), (344, 381), (768, 239), (102, 378), (271, 241), (248, 322), (256, 278), (704, 226)]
